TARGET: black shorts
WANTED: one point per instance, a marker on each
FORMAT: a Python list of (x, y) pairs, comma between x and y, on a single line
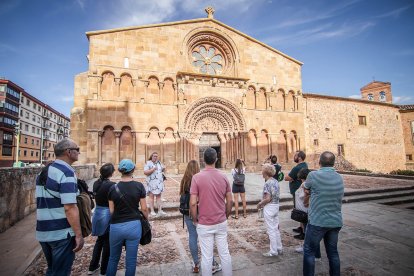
[(238, 189)]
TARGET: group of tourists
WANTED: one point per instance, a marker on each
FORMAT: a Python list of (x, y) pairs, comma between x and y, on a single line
[(121, 208)]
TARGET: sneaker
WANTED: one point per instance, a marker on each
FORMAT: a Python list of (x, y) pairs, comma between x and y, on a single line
[(298, 230), (269, 254), (280, 252), (299, 249), (153, 213), (196, 269), (216, 268), (300, 236), (92, 271), (162, 213)]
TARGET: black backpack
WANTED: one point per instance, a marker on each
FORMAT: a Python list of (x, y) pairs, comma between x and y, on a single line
[(185, 204), (238, 178)]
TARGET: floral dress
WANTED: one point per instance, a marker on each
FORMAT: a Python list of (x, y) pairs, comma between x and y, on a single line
[(155, 182)]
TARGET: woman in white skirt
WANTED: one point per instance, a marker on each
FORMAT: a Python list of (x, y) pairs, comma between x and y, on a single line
[(270, 205), (155, 182)]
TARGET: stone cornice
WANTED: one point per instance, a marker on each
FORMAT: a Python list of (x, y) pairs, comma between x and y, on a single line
[(309, 95)]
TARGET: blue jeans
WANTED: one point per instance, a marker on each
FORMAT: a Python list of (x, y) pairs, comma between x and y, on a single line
[(59, 256), (318, 249), (193, 240), (129, 232), (314, 235)]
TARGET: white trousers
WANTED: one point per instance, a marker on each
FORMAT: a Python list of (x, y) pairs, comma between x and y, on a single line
[(271, 218), (207, 234)]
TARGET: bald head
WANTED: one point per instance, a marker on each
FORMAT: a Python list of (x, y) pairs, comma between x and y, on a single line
[(327, 159)]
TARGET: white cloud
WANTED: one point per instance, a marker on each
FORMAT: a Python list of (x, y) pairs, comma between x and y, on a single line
[(67, 99), (138, 12), (403, 100), (321, 32), (355, 97), (394, 13)]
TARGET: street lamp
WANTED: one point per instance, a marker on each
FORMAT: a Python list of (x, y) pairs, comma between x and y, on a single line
[(17, 133)]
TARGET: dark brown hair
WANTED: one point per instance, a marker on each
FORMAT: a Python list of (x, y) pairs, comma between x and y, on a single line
[(190, 171)]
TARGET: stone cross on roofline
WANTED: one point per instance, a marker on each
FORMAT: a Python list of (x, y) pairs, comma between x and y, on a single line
[(210, 12)]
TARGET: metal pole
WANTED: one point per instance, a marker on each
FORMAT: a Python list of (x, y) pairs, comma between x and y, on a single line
[(41, 145)]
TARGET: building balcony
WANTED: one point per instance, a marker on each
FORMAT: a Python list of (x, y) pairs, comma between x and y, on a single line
[(46, 116), (46, 137)]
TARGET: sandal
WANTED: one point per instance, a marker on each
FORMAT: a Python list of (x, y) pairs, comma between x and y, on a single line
[(196, 269), (235, 217), (245, 215)]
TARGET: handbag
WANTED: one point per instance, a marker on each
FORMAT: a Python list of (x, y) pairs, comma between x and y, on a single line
[(299, 215), (146, 234)]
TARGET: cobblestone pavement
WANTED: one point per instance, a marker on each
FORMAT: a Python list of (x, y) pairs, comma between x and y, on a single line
[(375, 239)]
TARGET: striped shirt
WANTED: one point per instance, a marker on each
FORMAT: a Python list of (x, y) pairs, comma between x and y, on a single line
[(327, 191), (61, 185)]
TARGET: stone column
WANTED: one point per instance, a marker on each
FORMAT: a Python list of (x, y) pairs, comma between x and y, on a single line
[(98, 82), (257, 136), (118, 86), (223, 145), (161, 88), (162, 136), (100, 135), (140, 148), (134, 147), (117, 143)]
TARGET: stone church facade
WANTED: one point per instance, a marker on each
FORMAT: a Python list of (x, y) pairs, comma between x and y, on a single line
[(179, 87)]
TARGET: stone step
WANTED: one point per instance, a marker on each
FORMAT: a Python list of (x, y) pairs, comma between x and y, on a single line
[(379, 190), (398, 200), (381, 195), (409, 205)]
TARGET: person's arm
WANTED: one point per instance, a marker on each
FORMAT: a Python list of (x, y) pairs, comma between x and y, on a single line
[(229, 204), (288, 178), (72, 215), (306, 197), (150, 171), (144, 209), (193, 207), (266, 199), (111, 206)]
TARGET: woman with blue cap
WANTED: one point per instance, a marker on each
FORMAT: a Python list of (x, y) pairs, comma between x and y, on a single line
[(124, 201)]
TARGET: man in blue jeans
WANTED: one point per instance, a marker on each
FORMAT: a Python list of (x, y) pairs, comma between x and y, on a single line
[(324, 215), (58, 227)]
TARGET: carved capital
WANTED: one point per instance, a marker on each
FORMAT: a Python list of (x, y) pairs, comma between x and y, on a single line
[(117, 81), (101, 133), (117, 133), (146, 83), (161, 85), (162, 135)]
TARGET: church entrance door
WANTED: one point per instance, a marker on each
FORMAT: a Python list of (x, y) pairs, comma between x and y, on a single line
[(209, 140)]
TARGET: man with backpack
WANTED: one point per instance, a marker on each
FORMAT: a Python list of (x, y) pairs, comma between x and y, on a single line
[(279, 176), (58, 226)]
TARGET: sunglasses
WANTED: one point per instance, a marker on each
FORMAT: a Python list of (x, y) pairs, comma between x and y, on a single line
[(77, 149)]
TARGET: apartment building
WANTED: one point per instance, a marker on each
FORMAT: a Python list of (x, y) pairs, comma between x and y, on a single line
[(9, 116), (40, 126)]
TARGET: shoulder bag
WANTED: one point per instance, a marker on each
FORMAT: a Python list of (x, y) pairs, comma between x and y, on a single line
[(145, 225)]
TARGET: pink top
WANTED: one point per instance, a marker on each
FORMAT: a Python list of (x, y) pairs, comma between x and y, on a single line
[(211, 187)]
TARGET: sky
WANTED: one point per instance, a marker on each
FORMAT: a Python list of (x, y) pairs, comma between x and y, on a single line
[(344, 45)]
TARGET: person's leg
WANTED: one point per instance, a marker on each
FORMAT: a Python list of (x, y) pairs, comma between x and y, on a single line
[(47, 251), (105, 253), (236, 204), (206, 238), (243, 198), (192, 239), (62, 256), (223, 248), (313, 237), (331, 246), (96, 254), (116, 240), (270, 222), (151, 202), (278, 239), (133, 232), (159, 204)]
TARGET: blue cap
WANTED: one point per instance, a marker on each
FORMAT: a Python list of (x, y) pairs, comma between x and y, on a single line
[(126, 165)]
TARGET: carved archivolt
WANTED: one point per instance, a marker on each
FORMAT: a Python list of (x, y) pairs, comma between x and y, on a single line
[(212, 114)]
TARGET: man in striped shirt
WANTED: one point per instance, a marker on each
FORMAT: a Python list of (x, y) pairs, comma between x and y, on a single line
[(58, 226), (325, 216)]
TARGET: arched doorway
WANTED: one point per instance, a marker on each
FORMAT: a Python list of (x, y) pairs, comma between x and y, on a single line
[(209, 140), (216, 123)]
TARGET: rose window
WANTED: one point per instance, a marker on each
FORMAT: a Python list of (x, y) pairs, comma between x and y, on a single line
[(208, 61)]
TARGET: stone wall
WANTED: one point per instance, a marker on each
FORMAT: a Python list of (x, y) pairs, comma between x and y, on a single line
[(17, 192), (407, 117), (377, 145)]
